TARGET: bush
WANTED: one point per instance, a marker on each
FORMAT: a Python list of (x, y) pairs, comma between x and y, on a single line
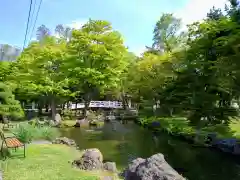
[(48, 133), (27, 133), (68, 114)]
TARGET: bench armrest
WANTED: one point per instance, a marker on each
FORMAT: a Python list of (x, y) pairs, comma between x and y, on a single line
[(10, 137)]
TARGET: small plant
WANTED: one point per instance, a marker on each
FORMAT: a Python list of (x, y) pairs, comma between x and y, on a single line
[(25, 132), (48, 133)]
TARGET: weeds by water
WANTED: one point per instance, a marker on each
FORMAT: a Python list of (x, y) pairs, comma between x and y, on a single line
[(27, 133)]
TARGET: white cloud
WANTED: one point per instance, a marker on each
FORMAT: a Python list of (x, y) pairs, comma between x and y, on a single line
[(197, 10)]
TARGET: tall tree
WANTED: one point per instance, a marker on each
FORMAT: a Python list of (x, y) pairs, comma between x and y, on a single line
[(215, 14), (63, 32), (166, 33), (41, 70), (42, 32), (96, 55)]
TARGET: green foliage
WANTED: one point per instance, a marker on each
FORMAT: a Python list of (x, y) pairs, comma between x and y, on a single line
[(202, 78), (8, 105), (48, 133), (98, 65), (166, 37), (194, 73), (68, 114), (27, 133)]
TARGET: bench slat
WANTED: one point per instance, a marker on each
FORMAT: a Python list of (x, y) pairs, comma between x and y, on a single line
[(13, 142)]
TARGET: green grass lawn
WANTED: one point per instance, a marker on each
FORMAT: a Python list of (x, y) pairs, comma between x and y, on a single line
[(46, 162)]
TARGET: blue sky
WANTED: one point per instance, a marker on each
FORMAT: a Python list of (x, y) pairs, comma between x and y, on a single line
[(135, 19)]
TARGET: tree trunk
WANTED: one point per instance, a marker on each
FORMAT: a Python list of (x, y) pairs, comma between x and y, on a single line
[(86, 106), (125, 102), (53, 108), (76, 109), (40, 109), (46, 108), (171, 112)]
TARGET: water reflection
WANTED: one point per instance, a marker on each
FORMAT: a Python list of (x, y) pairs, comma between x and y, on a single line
[(132, 141)]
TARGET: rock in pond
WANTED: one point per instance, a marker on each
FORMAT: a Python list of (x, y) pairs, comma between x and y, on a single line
[(65, 140), (152, 168), (92, 159)]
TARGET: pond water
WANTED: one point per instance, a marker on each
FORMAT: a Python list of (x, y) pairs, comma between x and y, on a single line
[(128, 141)]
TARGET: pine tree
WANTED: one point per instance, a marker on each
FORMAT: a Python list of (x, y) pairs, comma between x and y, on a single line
[(8, 105)]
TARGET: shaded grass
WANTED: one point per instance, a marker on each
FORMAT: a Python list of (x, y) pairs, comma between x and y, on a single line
[(46, 162)]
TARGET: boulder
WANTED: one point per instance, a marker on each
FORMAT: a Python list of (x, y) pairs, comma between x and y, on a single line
[(64, 140), (58, 119), (152, 168), (110, 166), (92, 159), (107, 178)]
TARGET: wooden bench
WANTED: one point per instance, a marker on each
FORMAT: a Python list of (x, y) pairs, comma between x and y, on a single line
[(11, 142)]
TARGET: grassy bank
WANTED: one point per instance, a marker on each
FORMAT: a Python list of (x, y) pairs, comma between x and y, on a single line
[(27, 133), (179, 126), (49, 162)]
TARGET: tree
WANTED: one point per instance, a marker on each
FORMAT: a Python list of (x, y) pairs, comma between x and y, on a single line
[(96, 59), (41, 70), (5, 70), (63, 32), (215, 14), (200, 87), (8, 105), (166, 33), (42, 32)]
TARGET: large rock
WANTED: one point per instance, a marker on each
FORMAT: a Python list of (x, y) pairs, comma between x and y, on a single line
[(58, 119), (92, 159), (110, 166), (152, 168), (64, 140)]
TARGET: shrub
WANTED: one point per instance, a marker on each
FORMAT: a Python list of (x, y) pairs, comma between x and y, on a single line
[(68, 114), (27, 133), (48, 133)]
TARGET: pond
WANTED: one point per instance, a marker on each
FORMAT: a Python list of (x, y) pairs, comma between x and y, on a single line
[(130, 140)]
